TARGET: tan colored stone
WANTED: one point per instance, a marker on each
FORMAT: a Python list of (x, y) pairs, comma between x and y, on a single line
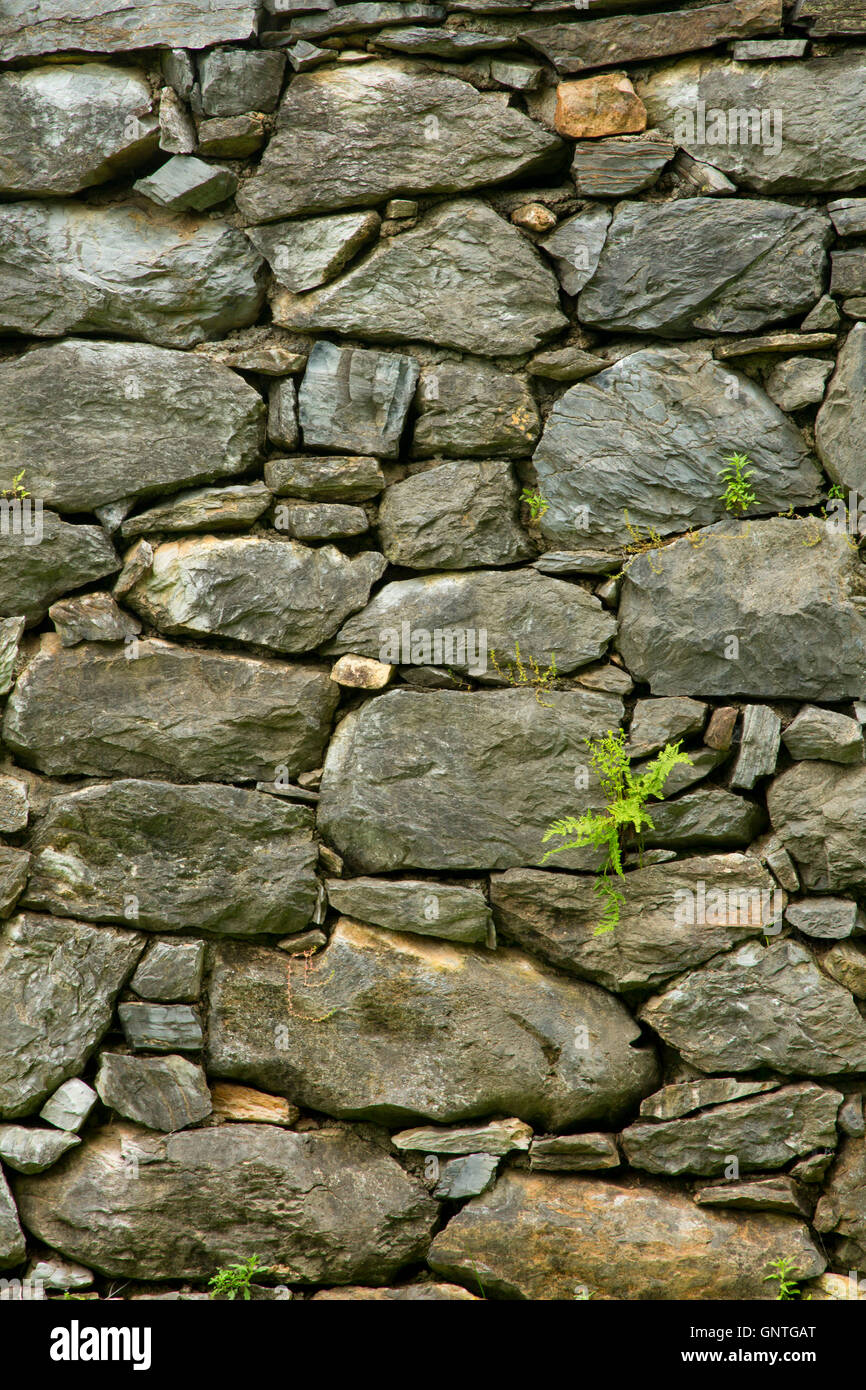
[(604, 105), (534, 217), (243, 1103), (362, 672)]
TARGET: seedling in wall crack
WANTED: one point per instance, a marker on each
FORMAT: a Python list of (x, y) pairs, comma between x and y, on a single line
[(519, 676), (233, 1281), (738, 495), (537, 504), (789, 1291), (17, 490)]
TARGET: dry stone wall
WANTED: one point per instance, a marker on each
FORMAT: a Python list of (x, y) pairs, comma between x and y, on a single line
[(368, 374)]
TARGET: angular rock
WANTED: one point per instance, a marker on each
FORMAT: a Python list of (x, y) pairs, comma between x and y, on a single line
[(574, 1153), (304, 254), (361, 672), (419, 906), (204, 509), (12, 1245), (59, 25), (172, 711), (499, 1137), (455, 516), (709, 816), (842, 1209), (408, 1293), (91, 422), (643, 444), (243, 1104), (161, 1027), (789, 593), (818, 810), (605, 105), (283, 415), (187, 184), (11, 632), (657, 722), (727, 267), (70, 126), (848, 216), (685, 1097), (355, 400), (231, 137), (55, 1273), (849, 272), (472, 410), (321, 521), (564, 364), (827, 918), (703, 762), (463, 278), (277, 594), (542, 1237), (761, 1007), (320, 1207), (825, 317), (177, 133), (840, 436), (235, 80), (355, 18), (798, 381), (47, 560), (508, 1035), (92, 618), (616, 167), (846, 963), (70, 1105), (169, 971), (762, 1194), (759, 746), (30, 1150), (165, 1093), (14, 868), (439, 43), (58, 984), (340, 479), (357, 135), (675, 916), (465, 1177), (14, 804), (576, 246)]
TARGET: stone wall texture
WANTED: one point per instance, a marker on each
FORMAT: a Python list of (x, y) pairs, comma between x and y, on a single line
[(369, 374)]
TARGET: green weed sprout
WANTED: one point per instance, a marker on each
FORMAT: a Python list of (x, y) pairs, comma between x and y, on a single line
[(738, 495)]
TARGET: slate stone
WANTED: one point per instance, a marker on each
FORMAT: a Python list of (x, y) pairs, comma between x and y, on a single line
[(232, 507), (161, 1027), (499, 1137), (798, 381), (703, 762), (321, 521), (848, 276), (848, 215), (851, 1120), (92, 618), (675, 916), (420, 906), (612, 1241), (825, 734), (685, 1097), (812, 144), (761, 1194), (728, 267), (574, 1153), (283, 415), (764, 1132), (123, 269), (818, 810), (455, 516), (840, 436), (426, 780), (620, 165), (70, 126), (842, 1209), (230, 137), (766, 343), (439, 43), (759, 746), (31, 1150), (70, 1105), (643, 444), (14, 803), (178, 69), (186, 184), (121, 852), (460, 1178), (508, 1036), (576, 246), (346, 479), (14, 868), (472, 410), (357, 135), (657, 722), (13, 1249), (829, 918), (359, 17), (756, 50), (787, 590), (235, 80), (463, 278), (709, 816), (761, 1006), (48, 560), (846, 963), (564, 364), (170, 711), (170, 971), (277, 594), (304, 254), (354, 400), (177, 133), (51, 1019), (58, 26), (91, 422), (165, 1093)]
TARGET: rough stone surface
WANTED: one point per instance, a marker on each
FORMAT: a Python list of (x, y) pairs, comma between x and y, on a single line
[(824, 734), (164, 1093), (685, 1097), (657, 722), (621, 165), (818, 810), (574, 1153), (26, 1149), (460, 1178), (759, 746), (797, 382), (304, 254), (472, 410), (187, 184), (92, 618), (161, 1027), (420, 906), (14, 805), (761, 1194), (14, 868), (12, 1245), (576, 245), (345, 479), (709, 816), (842, 1209), (846, 962), (70, 1105), (355, 400), (170, 970), (47, 560), (234, 81), (839, 432), (455, 516), (827, 918), (499, 1137), (204, 509), (605, 105), (59, 25)]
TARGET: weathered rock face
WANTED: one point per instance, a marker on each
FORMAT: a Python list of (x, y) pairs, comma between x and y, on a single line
[(354, 136), (786, 591), (508, 1036), (462, 278), (455, 516), (163, 1093), (761, 1006), (318, 1208), (58, 25), (842, 1209), (12, 1246), (416, 905), (470, 410), (122, 853), (47, 559), (356, 401), (72, 268), (91, 422), (161, 710), (537, 1236), (818, 810), (727, 267), (58, 984), (839, 436), (643, 444), (276, 593)]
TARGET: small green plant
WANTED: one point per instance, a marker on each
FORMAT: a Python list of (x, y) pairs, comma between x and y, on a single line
[(738, 495), (626, 796), (17, 489), (781, 1274), (516, 674), (837, 491), (537, 504), (234, 1280)]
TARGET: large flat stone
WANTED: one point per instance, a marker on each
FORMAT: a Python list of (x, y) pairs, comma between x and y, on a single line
[(12, 1245), (37, 568), (818, 810), (355, 400), (508, 1036), (315, 1208), (122, 852), (842, 1208), (421, 906), (54, 26), (456, 516), (304, 254), (462, 278), (840, 435), (164, 1093), (167, 711), (353, 136), (472, 410), (73, 268)]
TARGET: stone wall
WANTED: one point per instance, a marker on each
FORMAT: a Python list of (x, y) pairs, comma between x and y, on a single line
[(368, 375)]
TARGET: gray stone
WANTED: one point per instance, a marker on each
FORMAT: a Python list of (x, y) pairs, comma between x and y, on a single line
[(644, 443), (91, 422), (70, 126), (761, 1194), (576, 245), (764, 1132), (231, 137), (759, 746), (840, 436), (304, 254), (53, 1272), (14, 804), (92, 618), (14, 867), (234, 80), (818, 810), (812, 114), (161, 1027), (70, 1105), (355, 18), (516, 73), (675, 916), (846, 963), (766, 343), (851, 1120), (472, 410), (356, 400), (772, 852), (304, 56), (463, 278), (761, 1006), (565, 364), (455, 516), (421, 906), (177, 133), (849, 272), (499, 608), (165, 1093), (440, 43), (709, 816), (798, 381), (848, 215), (276, 593), (825, 316), (842, 1209), (227, 508), (465, 1177), (684, 775), (11, 632), (574, 1153), (59, 25), (121, 269), (321, 521), (185, 184), (717, 267), (812, 1169), (283, 415), (580, 1235), (499, 1137), (827, 918), (657, 722), (578, 562), (31, 1150), (170, 971), (178, 69), (47, 560), (13, 1249), (700, 177), (329, 478), (612, 168), (51, 1019), (685, 1097), (787, 590), (398, 131), (756, 50), (507, 1034), (170, 711)]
